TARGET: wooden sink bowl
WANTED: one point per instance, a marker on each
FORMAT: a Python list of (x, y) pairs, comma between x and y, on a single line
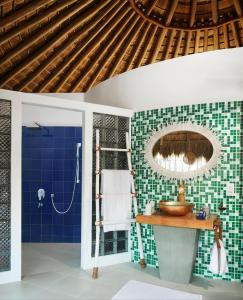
[(175, 208)]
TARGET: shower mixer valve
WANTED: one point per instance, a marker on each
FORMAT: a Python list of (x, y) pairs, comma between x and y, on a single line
[(41, 196)]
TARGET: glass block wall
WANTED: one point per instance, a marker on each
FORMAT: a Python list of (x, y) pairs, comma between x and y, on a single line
[(112, 135), (5, 159), (226, 119)]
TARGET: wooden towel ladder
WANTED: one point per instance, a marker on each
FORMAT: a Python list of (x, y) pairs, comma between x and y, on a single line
[(98, 197)]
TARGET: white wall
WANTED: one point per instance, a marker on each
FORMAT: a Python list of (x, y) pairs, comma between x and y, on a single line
[(19, 101), (199, 78), (48, 116), (71, 96)]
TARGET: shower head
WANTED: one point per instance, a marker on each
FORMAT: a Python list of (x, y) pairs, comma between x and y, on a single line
[(45, 128)]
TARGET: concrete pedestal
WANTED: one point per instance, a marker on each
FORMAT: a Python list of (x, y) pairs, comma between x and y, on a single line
[(176, 249)]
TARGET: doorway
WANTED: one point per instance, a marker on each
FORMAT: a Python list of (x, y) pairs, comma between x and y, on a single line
[(51, 189)]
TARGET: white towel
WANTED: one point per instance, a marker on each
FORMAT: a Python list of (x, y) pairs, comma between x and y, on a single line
[(116, 199), (116, 182), (218, 263), (117, 208)]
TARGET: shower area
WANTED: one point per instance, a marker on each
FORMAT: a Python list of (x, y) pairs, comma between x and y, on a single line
[(51, 185)]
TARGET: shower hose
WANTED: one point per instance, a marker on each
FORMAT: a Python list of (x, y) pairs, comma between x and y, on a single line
[(76, 180)]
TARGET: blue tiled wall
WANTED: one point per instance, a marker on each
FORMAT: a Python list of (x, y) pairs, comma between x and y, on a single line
[(49, 162)]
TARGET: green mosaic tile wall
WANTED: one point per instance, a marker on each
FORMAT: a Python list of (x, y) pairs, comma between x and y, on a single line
[(225, 118)]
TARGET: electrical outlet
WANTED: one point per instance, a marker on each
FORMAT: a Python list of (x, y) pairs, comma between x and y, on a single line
[(230, 189)]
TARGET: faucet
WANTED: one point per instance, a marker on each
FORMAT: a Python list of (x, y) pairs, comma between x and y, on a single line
[(182, 193)]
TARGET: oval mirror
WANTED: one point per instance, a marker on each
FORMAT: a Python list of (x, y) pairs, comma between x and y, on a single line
[(182, 151)]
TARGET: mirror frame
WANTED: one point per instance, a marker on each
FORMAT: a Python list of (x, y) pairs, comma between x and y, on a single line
[(186, 126)]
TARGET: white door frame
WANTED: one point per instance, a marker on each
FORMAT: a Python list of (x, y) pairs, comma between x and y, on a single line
[(18, 99)]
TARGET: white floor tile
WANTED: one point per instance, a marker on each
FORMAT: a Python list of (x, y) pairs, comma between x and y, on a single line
[(51, 271)]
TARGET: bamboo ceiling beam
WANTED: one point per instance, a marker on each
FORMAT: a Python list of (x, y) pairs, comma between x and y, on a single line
[(159, 43), (86, 46), (169, 44), (193, 12), (150, 7), (137, 46), (154, 21), (149, 37), (188, 42), (21, 12), (99, 12), (238, 7), (50, 43), (103, 51), (124, 49), (235, 35), (128, 36), (197, 43), (25, 44), (214, 7), (216, 39), (226, 37), (23, 26), (5, 1), (154, 43), (205, 40), (171, 12), (178, 46)]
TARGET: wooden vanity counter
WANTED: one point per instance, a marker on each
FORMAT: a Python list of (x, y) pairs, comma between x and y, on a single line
[(188, 221)]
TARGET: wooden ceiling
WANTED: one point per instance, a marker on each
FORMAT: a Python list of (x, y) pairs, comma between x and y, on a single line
[(71, 45)]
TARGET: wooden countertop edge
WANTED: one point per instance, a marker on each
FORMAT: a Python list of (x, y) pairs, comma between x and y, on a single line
[(188, 221)]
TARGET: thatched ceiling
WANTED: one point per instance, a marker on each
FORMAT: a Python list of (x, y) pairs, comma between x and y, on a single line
[(71, 45)]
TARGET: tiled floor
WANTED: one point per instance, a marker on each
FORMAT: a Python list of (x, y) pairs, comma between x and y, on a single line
[(51, 271)]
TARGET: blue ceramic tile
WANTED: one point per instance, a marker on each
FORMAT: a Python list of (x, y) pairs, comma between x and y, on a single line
[(70, 132), (68, 187), (68, 221), (26, 164), (68, 231), (36, 164), (59, 153), (47, 219), (36, 153), (46, 142), (26, 196), (59, 131), (46, 238), (47, 153), (60, 142), (26, 219), (58, 164), (58, 187), (71, 142), (58, 175), (53, 169), (35, 230), (48, 175), (47, 186), (26, 153), (35, 219), (78, 132), (57, 230), (47, 164), (76, 220), (70, 153), (57, 219), (67, 197), (69, 174), (69, 165), (47, 206)]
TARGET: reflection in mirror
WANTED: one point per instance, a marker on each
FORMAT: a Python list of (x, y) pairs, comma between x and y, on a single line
[(182, 151)]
